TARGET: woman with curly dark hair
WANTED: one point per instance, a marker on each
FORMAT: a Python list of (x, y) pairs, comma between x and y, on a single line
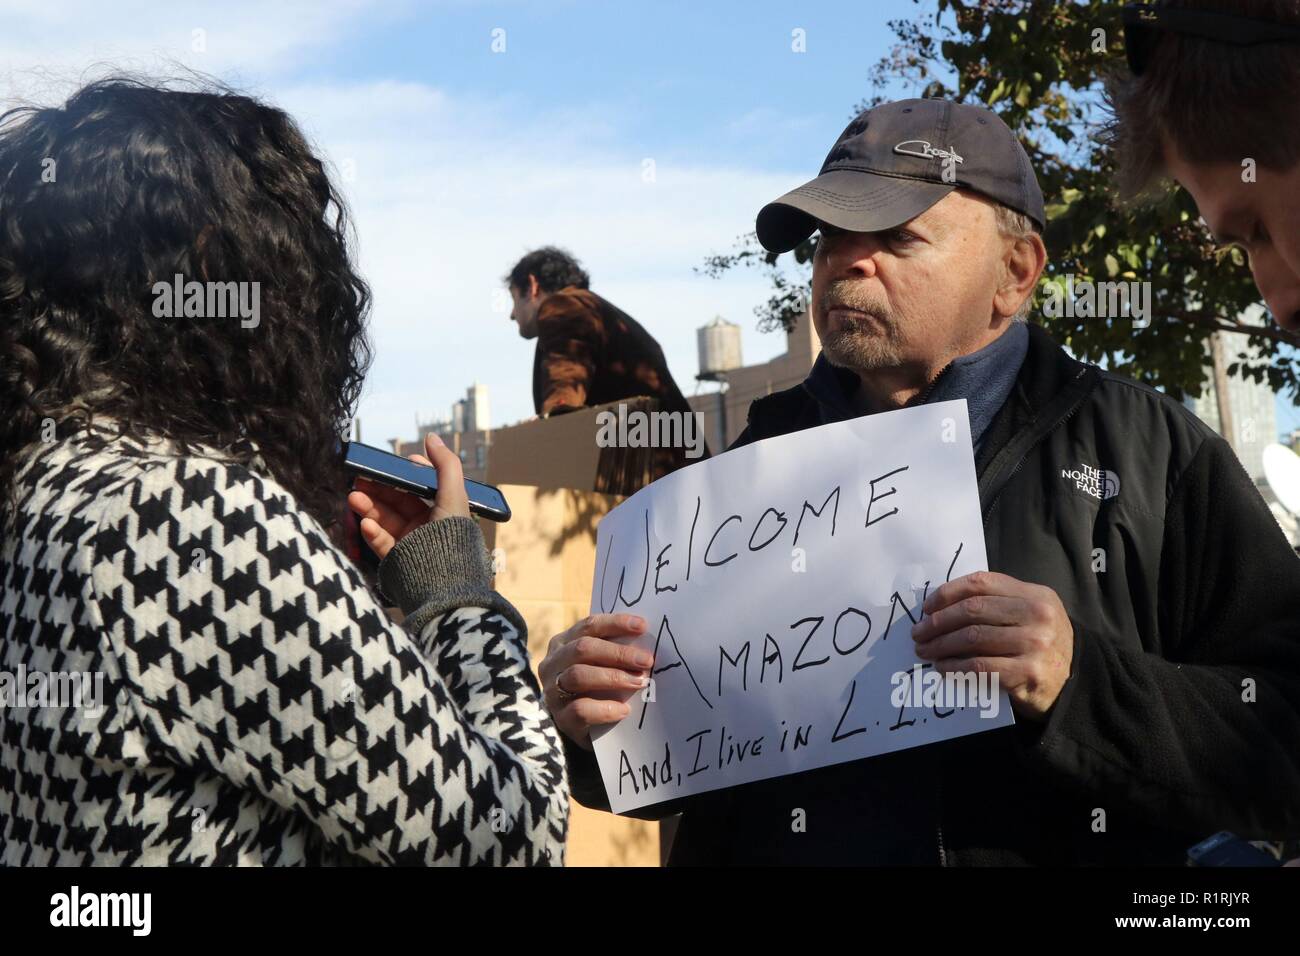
[(182, 339)]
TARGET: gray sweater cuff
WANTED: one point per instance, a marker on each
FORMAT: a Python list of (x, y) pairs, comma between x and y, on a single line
[(441, 566)]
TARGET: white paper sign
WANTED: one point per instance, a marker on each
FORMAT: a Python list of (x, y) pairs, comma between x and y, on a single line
[(780, 582)]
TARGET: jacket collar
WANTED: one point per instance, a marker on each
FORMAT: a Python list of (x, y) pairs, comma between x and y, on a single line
[(1047, 369), (1045, 373), (984, 378), (833, 388)]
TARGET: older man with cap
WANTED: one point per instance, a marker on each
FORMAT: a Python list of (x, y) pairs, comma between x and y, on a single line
[(1139, 610)]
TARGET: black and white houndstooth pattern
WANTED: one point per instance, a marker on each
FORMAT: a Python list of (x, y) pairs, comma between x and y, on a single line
[(260, 705)]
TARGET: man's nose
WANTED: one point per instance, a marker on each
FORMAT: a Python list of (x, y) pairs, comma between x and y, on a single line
[(855, 256)]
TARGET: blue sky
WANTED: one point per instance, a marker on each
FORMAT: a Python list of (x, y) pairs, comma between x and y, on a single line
[(457, 159), (680, 81)]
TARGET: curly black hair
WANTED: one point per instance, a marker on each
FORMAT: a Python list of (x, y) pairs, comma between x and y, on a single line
[(554, 269), (130, 183)]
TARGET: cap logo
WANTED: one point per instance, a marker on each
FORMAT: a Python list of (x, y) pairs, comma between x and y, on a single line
[(923, 150)]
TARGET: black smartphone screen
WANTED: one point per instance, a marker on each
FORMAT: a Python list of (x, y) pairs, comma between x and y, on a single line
[(422, 480)]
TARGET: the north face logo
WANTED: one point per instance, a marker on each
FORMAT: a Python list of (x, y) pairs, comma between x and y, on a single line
[(1097, 482)]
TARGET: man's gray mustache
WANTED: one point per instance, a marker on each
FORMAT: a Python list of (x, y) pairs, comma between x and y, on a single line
[(828, 304)]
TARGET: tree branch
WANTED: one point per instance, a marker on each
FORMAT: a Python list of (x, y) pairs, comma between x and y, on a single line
[(1274, 332)]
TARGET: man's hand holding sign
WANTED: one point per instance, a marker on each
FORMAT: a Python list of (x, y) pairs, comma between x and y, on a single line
[(990, 622)]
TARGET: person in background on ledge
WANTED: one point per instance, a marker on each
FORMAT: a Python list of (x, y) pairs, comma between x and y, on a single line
[(589, 352)]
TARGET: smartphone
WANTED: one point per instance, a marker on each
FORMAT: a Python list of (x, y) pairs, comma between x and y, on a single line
[(1228, 849), (398, 472)]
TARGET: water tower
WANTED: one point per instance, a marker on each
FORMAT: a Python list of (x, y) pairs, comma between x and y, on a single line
[(719, 344)]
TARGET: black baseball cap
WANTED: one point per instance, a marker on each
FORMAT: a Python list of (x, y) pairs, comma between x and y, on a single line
[(896, 160)]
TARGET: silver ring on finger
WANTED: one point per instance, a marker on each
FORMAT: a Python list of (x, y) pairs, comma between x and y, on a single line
[(560, 692)]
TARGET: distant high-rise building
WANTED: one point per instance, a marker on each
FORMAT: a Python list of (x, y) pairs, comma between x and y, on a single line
[(471, 413), (468, 432)]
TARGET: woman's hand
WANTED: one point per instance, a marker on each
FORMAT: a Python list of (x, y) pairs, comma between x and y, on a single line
[(388, 515), (588, 675)]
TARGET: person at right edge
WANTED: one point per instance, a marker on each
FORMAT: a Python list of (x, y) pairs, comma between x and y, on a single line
[(1157, 701), (1211, 99)]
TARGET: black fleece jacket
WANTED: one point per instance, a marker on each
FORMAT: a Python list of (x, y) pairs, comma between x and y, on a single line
[(1181, 715)]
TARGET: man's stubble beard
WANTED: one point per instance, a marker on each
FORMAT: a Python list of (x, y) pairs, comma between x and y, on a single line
[(862, 345)]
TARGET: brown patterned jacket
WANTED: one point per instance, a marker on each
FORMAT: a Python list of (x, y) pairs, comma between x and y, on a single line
[(590, 352)]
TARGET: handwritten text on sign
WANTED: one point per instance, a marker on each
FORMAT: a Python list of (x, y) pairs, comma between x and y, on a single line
[(780, 582)]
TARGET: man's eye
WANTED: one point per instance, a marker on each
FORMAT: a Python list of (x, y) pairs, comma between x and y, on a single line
[(900, 236)]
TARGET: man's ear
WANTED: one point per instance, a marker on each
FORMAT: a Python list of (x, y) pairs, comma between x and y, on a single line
[(1022, 263), (532, 287)]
